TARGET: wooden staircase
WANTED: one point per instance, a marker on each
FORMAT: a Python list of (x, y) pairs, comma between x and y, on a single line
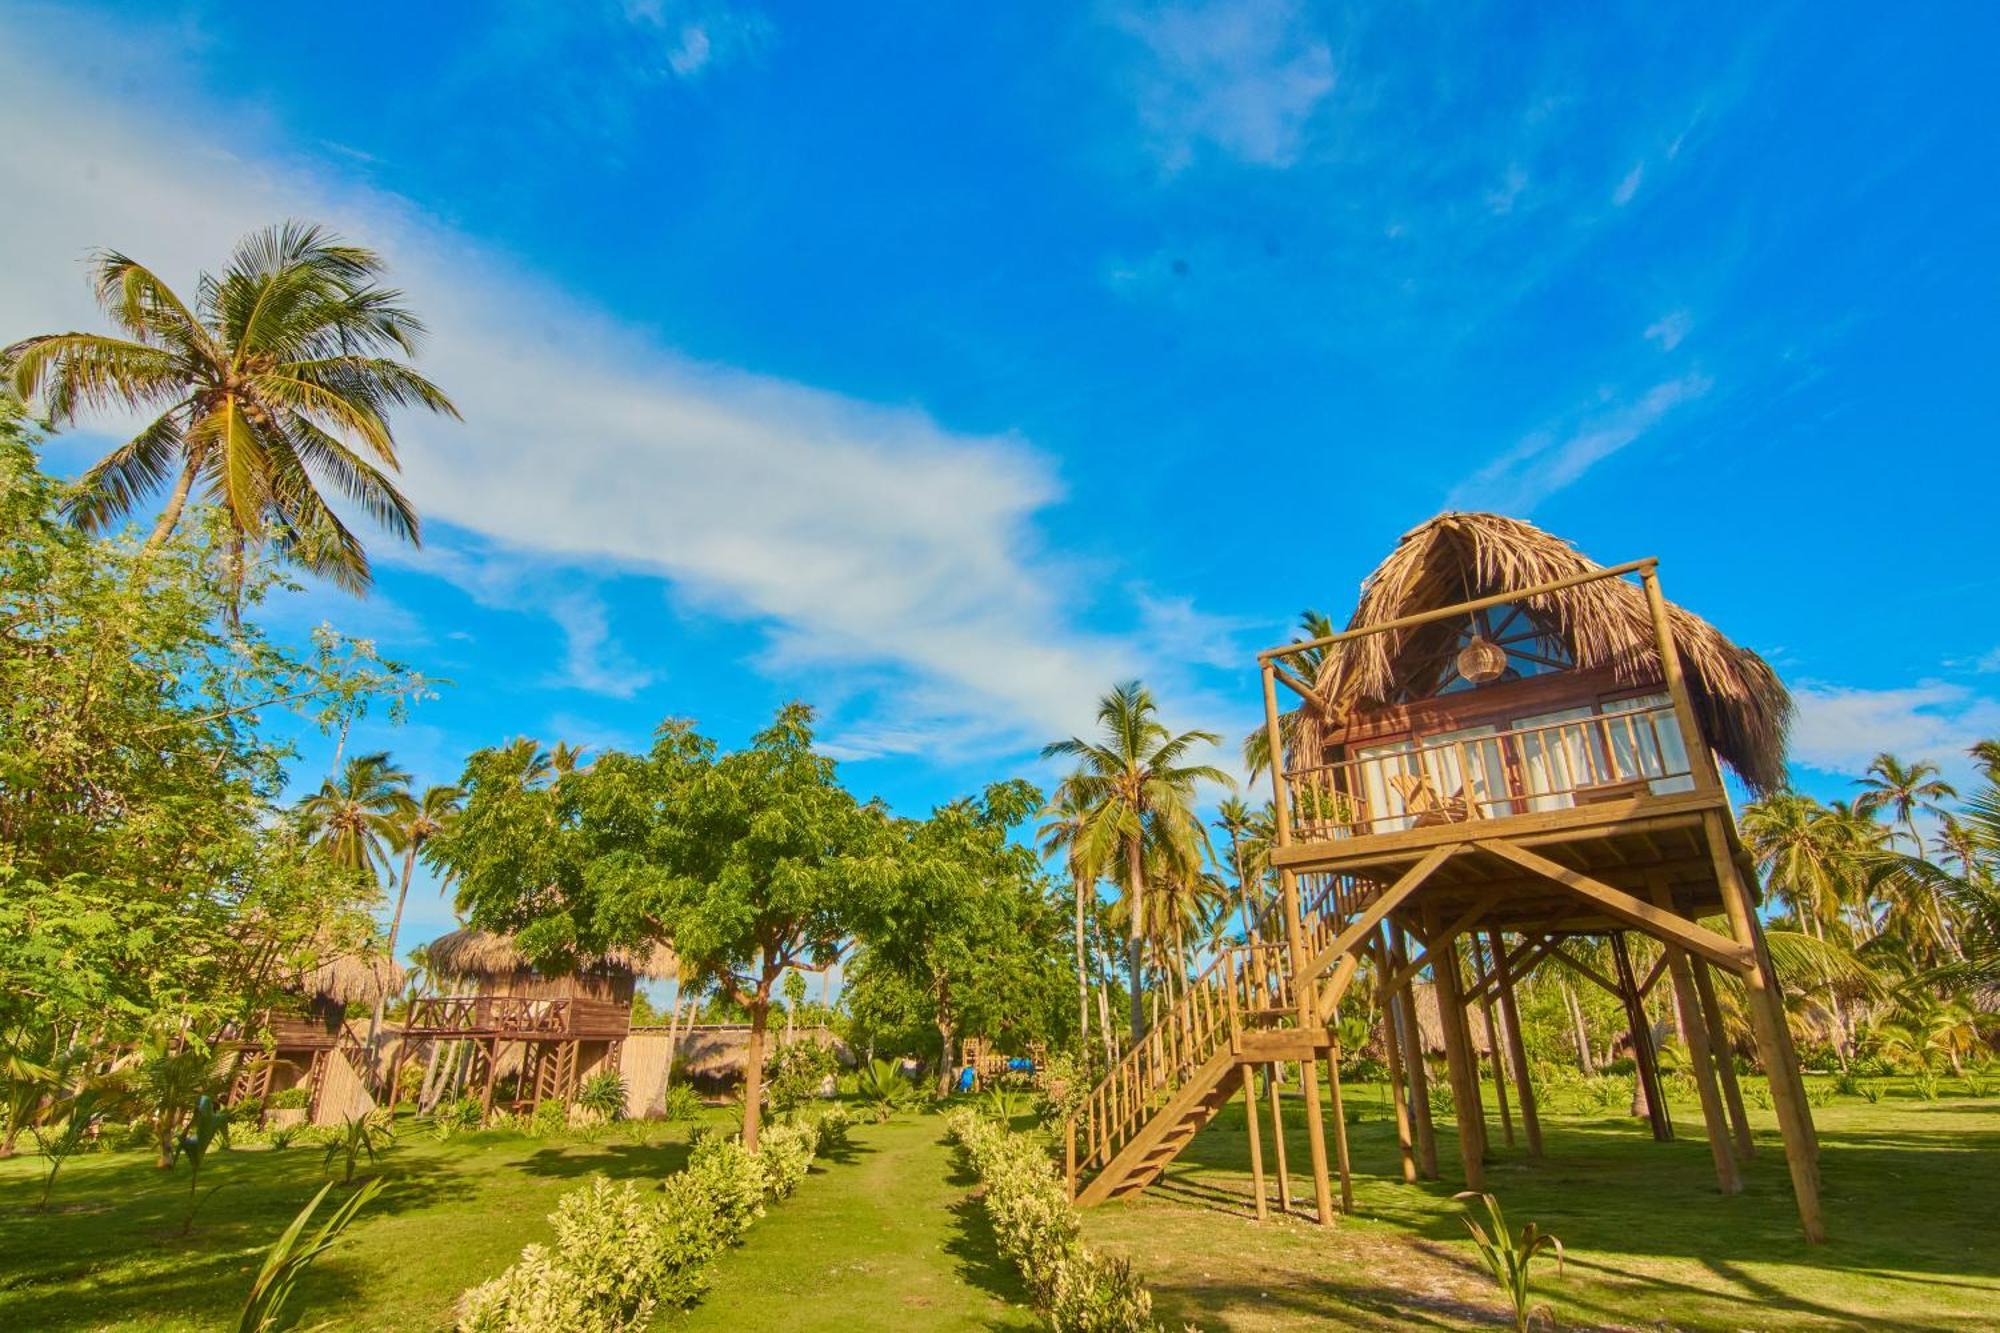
[(1242, 1011)]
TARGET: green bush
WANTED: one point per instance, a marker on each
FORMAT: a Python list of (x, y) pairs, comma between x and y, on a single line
[(620, 1252), (1036, 1227), (451, 1117), (798, 1070), (288, 1099), (833, 1124), (603, 1095), (549, 1120), (680, 1102)]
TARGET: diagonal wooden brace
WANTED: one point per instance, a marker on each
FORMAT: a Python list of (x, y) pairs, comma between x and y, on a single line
[(1669, 926)]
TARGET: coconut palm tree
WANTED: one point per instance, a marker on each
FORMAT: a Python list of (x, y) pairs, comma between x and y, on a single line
[(1065, 831), (1257, 745), (412, 822), (1140, 793), (1808, 855), (274, 384), (1250, 830), (354, 820), (1903, 790)]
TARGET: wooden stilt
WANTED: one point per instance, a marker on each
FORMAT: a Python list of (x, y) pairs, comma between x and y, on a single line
[(1339, 1109), (1415, 1065), (1517, 1052), (492, 1070), (1278, 1141), (1725, 1060), (1767, 1016), (1316, 1147), (1392, 1043), (1714, 1117), (1492, 1038), (1253, 1113), (1471, 1110), (1644, 1056)]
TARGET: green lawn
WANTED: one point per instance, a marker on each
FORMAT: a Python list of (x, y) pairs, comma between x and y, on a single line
[(1911, 1192), (886, 1234)]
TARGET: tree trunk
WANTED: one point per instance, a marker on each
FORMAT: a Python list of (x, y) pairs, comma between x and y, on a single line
[(947, 1033), (395, 925), (674, 1029), (1135, 945), (1082, 974), (1582, 1034), (753, 1067), (170, 517)]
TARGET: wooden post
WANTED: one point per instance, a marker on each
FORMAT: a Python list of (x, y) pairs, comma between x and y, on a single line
[(1278, 1141), (1392, 1043), (1251, 1113), (1725, 1060), (1069, 1156), (1517, 1051), (1492, 1037), (1640, 1026), (1416, 1064), (1714, 1118), (1471, 1110), (1767, 1016), (1701, 762), (1339, 1125)]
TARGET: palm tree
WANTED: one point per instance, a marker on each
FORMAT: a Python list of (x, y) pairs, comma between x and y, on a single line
[(1807, 854), (1065, 830), (1250, 837), (1139, 790), (1903, 790), (413, 821), (1987, 755), (1257, 745), (354, 820), (275, 383)]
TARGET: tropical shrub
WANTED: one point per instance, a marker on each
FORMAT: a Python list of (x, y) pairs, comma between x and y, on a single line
[(1510, 1257), (833, 1124), (621, 1251), (798, 1070), (548, 1120), (357, 1136), (680, 1102), (287, 1099), (603, 1095), (451, 1117), (1035, 1226)]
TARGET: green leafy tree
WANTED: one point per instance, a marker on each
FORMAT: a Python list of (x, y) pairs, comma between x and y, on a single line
[(1139, 787), (751, 863), (277, 381)]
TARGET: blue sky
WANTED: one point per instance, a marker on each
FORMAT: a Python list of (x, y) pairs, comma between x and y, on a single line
[(942, 367)]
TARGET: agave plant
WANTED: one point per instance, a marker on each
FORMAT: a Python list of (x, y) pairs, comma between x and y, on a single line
[(287, 1259), (1510, 1256)]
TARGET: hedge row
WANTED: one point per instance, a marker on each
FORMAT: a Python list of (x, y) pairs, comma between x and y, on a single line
[(621, 1250), (1076, 1290)]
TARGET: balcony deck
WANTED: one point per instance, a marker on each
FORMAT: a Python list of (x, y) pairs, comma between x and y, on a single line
[(519, 1018)]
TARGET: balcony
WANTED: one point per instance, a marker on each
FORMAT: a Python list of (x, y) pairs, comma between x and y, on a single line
[(518, 1018)]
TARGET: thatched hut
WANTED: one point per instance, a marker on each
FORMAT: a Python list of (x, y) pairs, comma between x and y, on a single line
[(513, 1030), (306, 1041)]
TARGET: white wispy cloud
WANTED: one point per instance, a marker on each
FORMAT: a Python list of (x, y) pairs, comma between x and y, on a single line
[(1670, 329), (1840, 729), (860, 535), (1629, 186), (1242, 77), (1554, 457)]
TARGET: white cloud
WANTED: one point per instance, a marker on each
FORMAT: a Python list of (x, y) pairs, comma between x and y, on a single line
[(1552, 458), (862, 534), (1241, 76), (1840, 729), (1501, 199), (1670, 329), (1629, 186)]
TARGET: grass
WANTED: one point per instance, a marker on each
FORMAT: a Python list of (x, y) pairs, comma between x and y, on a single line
[(1907, 1188), (886, 1234), (108, 1255), (888, 1238)]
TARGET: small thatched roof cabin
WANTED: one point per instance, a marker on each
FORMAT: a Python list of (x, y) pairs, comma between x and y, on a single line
[(1602, 626), (490, 961), (352, 979)]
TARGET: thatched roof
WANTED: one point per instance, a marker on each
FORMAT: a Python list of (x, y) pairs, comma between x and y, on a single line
[(351, 978), (1743, 708), (485, 953)]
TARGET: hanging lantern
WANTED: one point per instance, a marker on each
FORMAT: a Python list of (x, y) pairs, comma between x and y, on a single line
[(1481, 660)]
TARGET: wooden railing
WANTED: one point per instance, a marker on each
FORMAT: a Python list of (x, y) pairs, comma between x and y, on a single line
[(449, 1014), (1528, 769)]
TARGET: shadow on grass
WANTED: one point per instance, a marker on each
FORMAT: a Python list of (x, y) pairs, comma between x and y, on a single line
[(974, 1246)]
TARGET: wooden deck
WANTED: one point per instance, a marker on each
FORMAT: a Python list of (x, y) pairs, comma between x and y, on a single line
[(519, 1018)]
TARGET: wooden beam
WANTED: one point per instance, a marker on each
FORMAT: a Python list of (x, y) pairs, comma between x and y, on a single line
[(1659, 966), (1654, 921), (1585, 970), (1531, 1123), (1390, 899), (1714, 1117)]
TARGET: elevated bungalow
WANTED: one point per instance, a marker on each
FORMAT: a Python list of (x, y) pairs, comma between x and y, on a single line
[(504, 1018), (307, 1042), (1508, 747)]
